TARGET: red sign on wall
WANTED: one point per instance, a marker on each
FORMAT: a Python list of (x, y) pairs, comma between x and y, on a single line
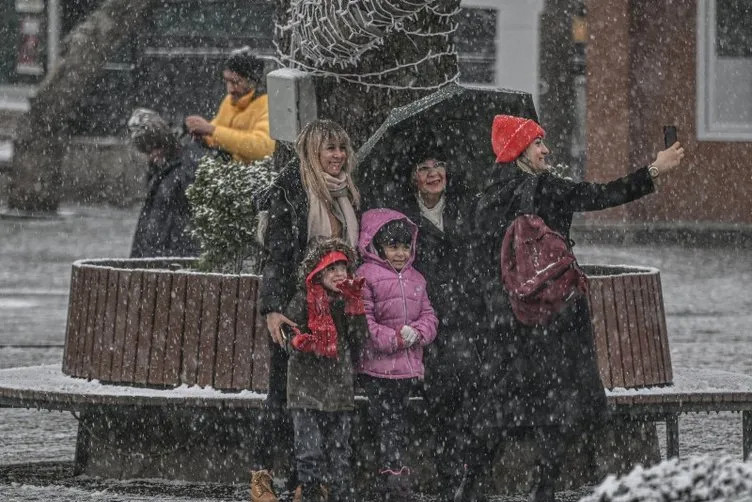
[(30, 55)]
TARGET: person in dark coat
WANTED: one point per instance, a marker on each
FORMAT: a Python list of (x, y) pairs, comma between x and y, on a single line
[(313, 197), (541, 377), (162, 228), (442, 208)]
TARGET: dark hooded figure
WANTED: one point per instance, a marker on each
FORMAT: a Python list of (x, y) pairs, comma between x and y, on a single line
[(442, 208), (162, 228), (543, 377)]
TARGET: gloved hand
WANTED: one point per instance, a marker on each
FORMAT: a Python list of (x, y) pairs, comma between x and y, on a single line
[(352, 291), (303, 342), (306, 342), (409, 336)]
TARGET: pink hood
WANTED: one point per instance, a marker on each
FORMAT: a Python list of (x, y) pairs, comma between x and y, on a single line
[(392, 299), (371, 223)]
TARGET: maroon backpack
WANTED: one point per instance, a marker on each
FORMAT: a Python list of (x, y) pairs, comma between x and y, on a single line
[(538, 270)]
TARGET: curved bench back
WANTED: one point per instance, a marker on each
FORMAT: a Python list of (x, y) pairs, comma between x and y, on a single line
[(629, 326), (138, 322), (151, 322)]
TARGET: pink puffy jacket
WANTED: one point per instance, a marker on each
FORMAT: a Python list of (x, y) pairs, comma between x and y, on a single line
[(392, 300)]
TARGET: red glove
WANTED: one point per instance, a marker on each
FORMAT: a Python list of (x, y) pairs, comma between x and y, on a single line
[(328, 348), (303, 342), (321, 346), (352, 291)]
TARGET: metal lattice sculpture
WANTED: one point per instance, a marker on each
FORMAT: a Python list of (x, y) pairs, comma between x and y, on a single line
[(331, 37)]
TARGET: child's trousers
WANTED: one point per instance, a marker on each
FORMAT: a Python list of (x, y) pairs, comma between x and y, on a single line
[(387, 408), (322, 439)]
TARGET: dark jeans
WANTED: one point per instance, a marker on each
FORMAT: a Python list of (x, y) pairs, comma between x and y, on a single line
[(387, 410), (323, 439)]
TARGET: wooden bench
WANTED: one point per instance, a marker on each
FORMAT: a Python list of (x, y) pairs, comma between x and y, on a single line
[(157, 323), (152, 334), (634, 359)]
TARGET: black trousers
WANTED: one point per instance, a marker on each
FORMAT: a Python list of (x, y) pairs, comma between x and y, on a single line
[(387, 410), (450, 389), (551, 443), (275, 438)]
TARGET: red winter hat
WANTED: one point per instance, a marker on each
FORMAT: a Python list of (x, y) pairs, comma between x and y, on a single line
[(511, 135)]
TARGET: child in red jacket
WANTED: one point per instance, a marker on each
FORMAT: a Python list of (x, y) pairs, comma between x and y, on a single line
[(320, 389)]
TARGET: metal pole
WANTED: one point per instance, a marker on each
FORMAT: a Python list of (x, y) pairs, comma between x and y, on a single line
[(53, 34), (746, 433), (672, 435)]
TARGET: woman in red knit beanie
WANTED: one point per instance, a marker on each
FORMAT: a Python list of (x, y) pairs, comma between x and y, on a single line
[(542, 377)]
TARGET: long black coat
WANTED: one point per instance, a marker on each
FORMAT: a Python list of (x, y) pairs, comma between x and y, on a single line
[(285, 240), (162, 224), (443, 257), (543, 375)]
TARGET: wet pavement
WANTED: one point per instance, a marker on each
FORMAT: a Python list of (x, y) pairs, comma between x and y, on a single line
[(706, 293)]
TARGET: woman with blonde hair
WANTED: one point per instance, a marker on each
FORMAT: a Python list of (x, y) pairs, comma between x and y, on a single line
[(314, 197)]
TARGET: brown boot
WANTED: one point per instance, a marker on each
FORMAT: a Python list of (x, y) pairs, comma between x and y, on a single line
[(261, 487)]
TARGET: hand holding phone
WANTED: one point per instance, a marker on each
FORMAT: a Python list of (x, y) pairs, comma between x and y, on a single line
[(667, 159), (669, 135)]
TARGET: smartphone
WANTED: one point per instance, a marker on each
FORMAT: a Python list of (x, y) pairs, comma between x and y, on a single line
[(287, 334), (669, 135)]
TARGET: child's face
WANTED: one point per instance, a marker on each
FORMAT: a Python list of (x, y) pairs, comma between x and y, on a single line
[(397, 255), (334, 274)]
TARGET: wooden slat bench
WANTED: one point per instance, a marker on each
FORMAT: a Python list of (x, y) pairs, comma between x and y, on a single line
[(634, 359), (154, 334), (157, 323), (693, 391)]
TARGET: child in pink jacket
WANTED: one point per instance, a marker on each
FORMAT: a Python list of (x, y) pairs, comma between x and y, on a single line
[(401, 322)]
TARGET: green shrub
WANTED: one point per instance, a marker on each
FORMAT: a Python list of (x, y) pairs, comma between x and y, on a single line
[(224, 203)]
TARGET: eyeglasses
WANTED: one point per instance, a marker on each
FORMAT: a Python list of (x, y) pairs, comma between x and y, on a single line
[(425, 167)]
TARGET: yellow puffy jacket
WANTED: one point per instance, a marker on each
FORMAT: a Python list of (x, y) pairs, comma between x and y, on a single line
[(242, 129)]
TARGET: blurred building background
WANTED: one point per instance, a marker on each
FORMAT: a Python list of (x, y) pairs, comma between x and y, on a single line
[(605, 76)]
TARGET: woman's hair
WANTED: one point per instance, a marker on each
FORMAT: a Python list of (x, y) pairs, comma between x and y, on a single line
[(392, 233), (308, 147)]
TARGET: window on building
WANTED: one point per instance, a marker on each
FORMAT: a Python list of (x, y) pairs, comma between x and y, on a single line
[(476, 45), (724, 70)]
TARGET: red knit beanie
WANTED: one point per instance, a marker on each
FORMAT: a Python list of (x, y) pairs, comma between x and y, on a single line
[(510, 136)]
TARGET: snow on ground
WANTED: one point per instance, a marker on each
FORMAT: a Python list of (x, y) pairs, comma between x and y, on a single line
[(706, 292), (694, 479)]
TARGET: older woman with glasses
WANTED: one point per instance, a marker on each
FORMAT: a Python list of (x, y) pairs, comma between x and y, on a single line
[(440, 206)]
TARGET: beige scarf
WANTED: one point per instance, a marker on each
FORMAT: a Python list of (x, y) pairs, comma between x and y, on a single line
[(319, 224), (433, 214)]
